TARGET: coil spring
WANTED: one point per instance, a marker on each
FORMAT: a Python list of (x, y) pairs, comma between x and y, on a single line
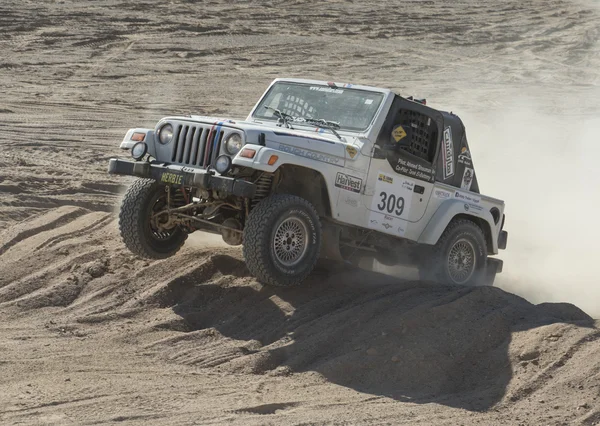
[(263, 187), (178, 198)]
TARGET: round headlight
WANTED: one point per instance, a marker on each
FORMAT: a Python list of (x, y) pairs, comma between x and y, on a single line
[(165, 134), (223, 164), (233, 144), (138, 151)]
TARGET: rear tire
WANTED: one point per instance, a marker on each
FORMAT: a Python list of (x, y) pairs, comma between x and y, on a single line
[(143, 199), (458, 258), (282, 240)]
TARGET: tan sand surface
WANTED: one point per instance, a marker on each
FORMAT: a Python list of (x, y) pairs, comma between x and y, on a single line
[(90, 334)]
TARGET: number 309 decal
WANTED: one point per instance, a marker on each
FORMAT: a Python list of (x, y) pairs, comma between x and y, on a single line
[(391, 203)]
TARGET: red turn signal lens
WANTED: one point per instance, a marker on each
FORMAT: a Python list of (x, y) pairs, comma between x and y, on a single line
[(247, 153), (138, 137)]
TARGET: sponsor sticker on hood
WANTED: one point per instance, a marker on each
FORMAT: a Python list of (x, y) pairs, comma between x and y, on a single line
[(351, 151)]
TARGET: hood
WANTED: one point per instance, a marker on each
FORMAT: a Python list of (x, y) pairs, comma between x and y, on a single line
[(314, 143)]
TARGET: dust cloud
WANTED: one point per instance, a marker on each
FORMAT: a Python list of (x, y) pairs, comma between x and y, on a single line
[(532, 113), (540, 157)]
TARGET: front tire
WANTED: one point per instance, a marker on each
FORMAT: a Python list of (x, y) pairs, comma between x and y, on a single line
[(458, 258), (143, 236), (282, 240)]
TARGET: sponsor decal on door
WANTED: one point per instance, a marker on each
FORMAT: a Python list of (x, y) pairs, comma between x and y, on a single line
[(391, 203), (347, 182)]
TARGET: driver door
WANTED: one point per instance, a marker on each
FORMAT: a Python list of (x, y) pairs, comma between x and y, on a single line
[(401, 173)]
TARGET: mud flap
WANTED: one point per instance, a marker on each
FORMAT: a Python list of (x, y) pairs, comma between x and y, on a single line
[(330, 246), (493, 267)]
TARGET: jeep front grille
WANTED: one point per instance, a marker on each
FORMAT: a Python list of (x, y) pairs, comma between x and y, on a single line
[(195, 145)]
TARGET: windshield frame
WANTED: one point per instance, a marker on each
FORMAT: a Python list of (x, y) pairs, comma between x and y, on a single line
[(381, 93)]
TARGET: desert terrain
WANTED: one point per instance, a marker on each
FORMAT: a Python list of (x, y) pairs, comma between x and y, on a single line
[(90, 334)]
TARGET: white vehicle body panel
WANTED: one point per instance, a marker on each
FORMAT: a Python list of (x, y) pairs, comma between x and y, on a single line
[(394, 201)]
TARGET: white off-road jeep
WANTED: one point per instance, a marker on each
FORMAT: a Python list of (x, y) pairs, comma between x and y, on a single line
[(318, 170)]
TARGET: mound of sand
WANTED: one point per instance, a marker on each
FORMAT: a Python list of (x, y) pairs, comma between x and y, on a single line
[(471, 349)]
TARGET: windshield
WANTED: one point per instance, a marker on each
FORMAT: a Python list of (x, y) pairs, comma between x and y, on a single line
[(352, 109)]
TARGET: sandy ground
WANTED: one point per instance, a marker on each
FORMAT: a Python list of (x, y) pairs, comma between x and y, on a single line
[(89, 334)]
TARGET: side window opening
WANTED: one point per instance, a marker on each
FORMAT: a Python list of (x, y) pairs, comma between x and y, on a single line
[(423, 133)]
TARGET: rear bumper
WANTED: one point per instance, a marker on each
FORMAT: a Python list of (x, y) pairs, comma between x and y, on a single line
[(170, 174)]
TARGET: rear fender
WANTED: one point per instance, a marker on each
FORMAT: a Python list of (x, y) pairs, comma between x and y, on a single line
[(451, 209)]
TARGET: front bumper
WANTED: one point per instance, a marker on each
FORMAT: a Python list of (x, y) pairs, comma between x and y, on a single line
[(170, 174)]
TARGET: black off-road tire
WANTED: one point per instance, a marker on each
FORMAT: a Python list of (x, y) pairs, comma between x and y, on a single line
[(435, 263), (134, 222), (265, 223)]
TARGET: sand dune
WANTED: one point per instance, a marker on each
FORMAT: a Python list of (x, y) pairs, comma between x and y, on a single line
[(79, 305)]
